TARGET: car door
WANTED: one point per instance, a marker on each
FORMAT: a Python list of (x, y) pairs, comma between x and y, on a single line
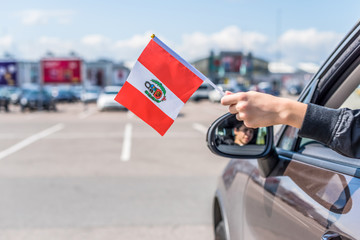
[(312, 193)]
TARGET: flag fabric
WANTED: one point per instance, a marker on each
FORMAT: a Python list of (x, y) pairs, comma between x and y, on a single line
[(159, 85)]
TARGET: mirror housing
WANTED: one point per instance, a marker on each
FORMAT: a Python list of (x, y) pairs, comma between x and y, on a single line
[(260, 146), (220, 130)]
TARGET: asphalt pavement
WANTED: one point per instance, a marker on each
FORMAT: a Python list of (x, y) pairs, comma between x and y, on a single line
[(83, 174)]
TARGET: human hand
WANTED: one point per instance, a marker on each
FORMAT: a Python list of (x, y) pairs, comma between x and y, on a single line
[(262, 110)]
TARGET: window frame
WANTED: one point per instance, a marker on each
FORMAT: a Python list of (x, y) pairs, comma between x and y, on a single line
[(332, 74)]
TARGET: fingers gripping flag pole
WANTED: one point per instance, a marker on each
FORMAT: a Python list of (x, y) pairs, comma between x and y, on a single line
[(159, 85)]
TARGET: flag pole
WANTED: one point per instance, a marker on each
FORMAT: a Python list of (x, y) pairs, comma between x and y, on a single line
[(215, 87), (205, 79)]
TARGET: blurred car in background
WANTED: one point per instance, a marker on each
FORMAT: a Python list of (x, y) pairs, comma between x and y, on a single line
[(76, 91), (18, 92), (201, 93), (90, 94), (4, 98), (294, 89), (106, 100), (65, 95), (266, 87), (215, 96), (62, 93), (34, 99), (14, 93)]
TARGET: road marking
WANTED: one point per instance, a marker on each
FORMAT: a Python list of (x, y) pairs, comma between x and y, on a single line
[(31, 140), (199, 127), (126, 149)]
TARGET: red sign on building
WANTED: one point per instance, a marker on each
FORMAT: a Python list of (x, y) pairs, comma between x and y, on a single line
[(60, 70)]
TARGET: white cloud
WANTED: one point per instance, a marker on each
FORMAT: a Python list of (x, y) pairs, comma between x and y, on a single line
[(307, 45), (296, 46), (6, 41), (130, 49), (95, 40), (38, 48), (135, 42), (230, 38), (39, 16), (281, 67), (308, 67)]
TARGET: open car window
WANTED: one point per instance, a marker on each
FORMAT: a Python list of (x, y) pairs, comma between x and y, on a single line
[(353, 101), (288, 138)]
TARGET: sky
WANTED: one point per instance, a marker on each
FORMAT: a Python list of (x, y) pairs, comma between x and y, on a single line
[(289, 31)]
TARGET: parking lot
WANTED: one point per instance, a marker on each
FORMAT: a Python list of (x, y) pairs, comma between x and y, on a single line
[(83, 174)]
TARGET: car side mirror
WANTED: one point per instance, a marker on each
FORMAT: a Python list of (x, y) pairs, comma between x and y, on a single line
[(228, 137)]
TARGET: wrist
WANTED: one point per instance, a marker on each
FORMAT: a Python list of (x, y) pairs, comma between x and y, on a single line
[(293, 113)]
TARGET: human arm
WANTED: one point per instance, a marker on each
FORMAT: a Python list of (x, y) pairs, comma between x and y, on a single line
[(337, 128), (262, 110)]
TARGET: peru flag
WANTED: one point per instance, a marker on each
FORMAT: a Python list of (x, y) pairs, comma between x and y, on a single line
[(159, 85)]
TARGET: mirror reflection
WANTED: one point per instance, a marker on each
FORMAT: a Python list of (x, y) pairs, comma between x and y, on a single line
[(233, 137)]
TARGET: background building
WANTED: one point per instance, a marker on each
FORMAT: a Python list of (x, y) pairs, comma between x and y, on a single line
[(232, 65)]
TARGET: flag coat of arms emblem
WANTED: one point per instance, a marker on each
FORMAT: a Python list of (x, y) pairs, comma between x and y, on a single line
[(159, 85)]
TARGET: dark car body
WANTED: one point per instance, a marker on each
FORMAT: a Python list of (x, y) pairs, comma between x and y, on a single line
[(294, 88), (65, 95), (4, 98), (62, 94), (90, 94), (296, 188), (267, 87), (14, 93), (37, 100)]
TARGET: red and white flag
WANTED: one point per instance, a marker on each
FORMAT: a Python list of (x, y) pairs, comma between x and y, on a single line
[(159, 85)]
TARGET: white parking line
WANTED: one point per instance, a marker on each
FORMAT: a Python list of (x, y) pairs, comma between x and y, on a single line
[(30, 140), (126, 149), (199, 127)]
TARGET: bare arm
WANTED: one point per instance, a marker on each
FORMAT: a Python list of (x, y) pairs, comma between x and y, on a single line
[(262, 110), (337, 128)]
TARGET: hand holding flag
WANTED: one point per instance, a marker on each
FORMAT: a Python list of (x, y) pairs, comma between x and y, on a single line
[(159, 85)]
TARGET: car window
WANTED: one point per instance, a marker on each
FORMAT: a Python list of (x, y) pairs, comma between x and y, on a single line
[(353, 101), (288, 138)]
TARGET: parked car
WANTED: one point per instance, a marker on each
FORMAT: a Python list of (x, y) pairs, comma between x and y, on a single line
[(19, 92), (294, 89), (106, 100), (266, 87), (76, 91), (65, 95), (4, 98), (90, 94), (37, 100), (14, 93), (284, 186), (62, 94), (201, 93)]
